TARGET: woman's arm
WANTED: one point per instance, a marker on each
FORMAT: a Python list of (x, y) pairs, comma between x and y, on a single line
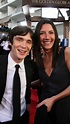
[(35, 84), (50, 101), (67, 57)]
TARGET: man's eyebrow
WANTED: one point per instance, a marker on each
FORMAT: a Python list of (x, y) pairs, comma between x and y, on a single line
[(18, 36)]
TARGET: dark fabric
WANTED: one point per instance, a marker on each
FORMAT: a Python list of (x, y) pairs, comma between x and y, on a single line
[(41, 115), (24, 119), (59, 114), (3, 73), (3, 76), (58, 80), (3, 52), (52, 85), (29, 75), (16, 95)]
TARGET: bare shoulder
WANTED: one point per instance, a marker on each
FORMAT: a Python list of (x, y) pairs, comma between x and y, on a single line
[(67, 57), (67, 52)]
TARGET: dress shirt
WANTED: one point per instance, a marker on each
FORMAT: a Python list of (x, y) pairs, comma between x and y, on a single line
[(6, 108)]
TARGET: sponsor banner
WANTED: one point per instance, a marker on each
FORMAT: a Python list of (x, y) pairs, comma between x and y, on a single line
[(48, 3)]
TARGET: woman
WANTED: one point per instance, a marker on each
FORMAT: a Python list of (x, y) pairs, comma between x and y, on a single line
[(54, 72)]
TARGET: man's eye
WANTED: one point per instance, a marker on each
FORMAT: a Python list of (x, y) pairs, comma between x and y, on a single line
[(29, 41), (19, 39)]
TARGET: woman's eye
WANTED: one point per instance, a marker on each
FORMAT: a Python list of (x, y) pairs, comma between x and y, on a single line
[(51, 32), (42, 33)]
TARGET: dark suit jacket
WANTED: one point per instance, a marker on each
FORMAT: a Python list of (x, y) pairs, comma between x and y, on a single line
[(3, 75)]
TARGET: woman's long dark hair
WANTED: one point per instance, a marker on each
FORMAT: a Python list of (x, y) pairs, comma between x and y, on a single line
[(37, 51)]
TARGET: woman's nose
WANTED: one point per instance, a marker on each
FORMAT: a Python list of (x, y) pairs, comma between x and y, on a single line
[(46, 35)]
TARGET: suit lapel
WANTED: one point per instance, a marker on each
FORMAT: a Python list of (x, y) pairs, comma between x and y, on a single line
[(3, 73), (29, 71)]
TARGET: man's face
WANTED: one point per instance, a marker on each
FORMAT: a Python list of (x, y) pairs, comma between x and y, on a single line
[(21, 47)]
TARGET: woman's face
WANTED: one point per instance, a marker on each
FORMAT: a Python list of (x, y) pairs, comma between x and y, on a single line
[(47, 37)]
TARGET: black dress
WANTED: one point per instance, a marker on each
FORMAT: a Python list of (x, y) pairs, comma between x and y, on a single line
[(52, 85)]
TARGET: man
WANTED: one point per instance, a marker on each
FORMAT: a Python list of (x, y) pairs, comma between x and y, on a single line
[(21, 43)]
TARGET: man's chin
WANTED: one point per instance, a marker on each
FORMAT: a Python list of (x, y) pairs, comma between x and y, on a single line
[(21, 58)]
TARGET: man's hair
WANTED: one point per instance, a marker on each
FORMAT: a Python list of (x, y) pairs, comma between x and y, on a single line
[(19, 30)]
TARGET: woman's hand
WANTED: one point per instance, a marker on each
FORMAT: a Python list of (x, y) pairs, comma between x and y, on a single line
[(47, 102), (50, 101)]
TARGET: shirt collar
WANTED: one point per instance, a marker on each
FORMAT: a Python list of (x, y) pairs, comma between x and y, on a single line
[(12, 63)]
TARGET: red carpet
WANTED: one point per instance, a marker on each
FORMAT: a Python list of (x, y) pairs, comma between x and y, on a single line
[(34, 101)]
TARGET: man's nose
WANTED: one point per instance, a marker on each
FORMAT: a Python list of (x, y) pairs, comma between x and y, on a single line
[(24, 44)]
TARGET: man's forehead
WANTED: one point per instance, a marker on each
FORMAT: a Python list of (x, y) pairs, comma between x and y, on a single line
[(23, 36)]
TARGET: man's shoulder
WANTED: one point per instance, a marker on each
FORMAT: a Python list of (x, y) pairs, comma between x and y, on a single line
[(3, 58)]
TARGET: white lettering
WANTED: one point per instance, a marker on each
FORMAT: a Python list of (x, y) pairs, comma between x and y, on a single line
[(56, 2)]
